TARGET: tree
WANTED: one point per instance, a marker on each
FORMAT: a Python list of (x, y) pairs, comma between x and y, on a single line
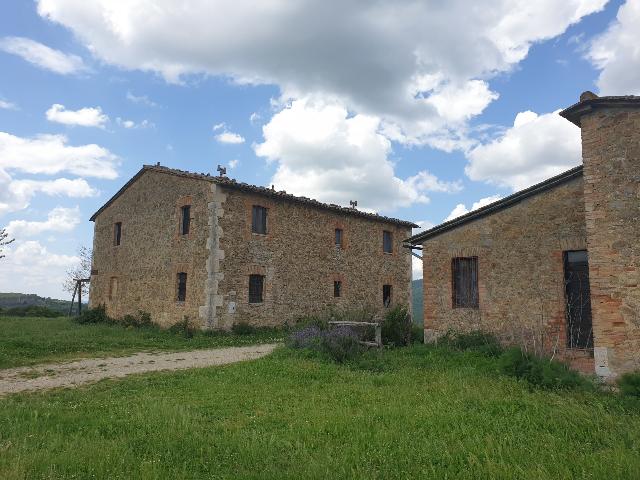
[(81, 270), (3, 240)]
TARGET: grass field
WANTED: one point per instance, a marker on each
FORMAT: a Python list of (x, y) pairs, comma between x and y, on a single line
[(430, 413), (27, 340)]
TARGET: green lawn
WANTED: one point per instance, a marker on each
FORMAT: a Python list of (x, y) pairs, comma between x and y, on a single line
[(429, 414), (27, 340)]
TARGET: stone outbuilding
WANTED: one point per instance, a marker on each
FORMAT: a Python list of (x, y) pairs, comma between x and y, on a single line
[(178, 244), (555, 267)]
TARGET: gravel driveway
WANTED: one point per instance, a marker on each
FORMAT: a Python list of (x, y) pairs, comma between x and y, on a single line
[(71, 374)]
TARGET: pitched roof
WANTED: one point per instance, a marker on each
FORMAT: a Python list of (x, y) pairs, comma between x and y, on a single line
[(497, 206), (245, 187)]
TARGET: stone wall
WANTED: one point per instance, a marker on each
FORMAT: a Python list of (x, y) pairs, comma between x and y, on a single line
[(611, 156), (298, 255), (300, 261), (144, 266), (520, 272)]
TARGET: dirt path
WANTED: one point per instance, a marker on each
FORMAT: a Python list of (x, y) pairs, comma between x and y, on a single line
[(54, 375)]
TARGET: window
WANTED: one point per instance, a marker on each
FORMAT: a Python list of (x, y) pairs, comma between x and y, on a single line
[(337, 288), (182, 286), (464, 273), (117, 233), (339, 237), (387, 242), (256, 288), (259, 220), (186, 219), (386, 295), (113, 288)]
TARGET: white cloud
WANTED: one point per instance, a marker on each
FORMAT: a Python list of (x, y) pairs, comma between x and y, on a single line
[(130, 124), (141, 99), (34, 269), (254, 117), (400, 62), (616, 53), (229, 137), (84, 117), (234, 163), (218, 126), (16, 195), (51, 154), (461, 209), (535, 148), (59, 219), (7, 105), (324, 153), (42, 56)]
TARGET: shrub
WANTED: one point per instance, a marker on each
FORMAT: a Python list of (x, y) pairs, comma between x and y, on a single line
[(31, 311), (538, 371), (479, 341), (243, 328), (417, 333), (183, 327), (94, 315), (341, 344), (629, 384), (396, 327), (139, 320), (307, 337)]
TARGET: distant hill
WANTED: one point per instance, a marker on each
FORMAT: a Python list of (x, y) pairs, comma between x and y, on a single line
[(11, 300), (418, 308)]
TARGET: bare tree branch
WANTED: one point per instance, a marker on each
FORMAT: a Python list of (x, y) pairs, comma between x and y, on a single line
[(3, 240), (82, 270)]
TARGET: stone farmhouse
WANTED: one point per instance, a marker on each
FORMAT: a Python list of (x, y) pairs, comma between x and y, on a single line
[(179, 244), (555, 267)]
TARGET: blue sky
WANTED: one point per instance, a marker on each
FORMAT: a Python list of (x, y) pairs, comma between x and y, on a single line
[(419, 112)]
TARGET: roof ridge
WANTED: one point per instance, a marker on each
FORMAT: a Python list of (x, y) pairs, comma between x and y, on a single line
[(233, 183)]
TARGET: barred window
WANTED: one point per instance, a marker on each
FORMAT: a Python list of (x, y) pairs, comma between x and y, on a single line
[(256, 288), (464, 272), (259, 220), (182, 287), (185, 223), (337, 288), (387, 242), (339, 237)]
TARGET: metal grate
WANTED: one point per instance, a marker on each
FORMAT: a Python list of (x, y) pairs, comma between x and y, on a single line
[(256, 288), (578, 299), (182, 287)]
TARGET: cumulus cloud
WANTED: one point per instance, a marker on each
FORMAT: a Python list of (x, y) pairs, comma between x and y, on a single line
[(401, 62), (616, 53), (84, 117), (16, 195), (141, 99), (323, 152), (4, 104), (234, 163), (51, 154), (461, 209), (34, 269), (130, 124), (535, 148), (229, 137), (60, 219), (42, 56)]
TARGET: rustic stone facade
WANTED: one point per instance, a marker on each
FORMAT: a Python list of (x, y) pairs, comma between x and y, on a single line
[(611, 156), (520, 242), (520, 271), (297, 256)]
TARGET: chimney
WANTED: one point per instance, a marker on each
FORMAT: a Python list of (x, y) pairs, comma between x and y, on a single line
[(611, 157)]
